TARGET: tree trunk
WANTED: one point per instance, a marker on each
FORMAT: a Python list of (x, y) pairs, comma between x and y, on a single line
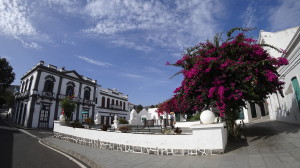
[(233, 131)]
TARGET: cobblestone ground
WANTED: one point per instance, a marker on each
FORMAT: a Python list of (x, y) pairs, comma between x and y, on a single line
[(270, 144)]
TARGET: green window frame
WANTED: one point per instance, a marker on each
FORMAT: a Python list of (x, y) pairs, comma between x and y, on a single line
[(296, 88)]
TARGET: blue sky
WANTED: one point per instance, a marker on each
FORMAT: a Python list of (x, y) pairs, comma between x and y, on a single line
[(125, 44)]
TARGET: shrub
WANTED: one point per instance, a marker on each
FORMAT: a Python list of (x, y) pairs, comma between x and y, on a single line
[(123, 121), (195, 117), (76, 124), (125, 129), (177, 130), (89, 121), (105, 127)]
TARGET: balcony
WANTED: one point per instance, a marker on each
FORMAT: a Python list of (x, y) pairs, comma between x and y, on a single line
[(48, 95), (26, 94), (115, 107), (75, 99), (61, 96), (86, 101)]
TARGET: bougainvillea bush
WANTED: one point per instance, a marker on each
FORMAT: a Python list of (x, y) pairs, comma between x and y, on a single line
[(225, 74)]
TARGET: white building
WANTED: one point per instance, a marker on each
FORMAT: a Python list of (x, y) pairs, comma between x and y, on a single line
[(286, 108), (111, 102), (42, 88)]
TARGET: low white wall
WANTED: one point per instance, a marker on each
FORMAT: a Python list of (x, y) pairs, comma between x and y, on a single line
[(212, 136), (186, 124)]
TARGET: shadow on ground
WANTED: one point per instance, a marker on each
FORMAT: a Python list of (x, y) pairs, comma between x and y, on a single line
[(261, 131)]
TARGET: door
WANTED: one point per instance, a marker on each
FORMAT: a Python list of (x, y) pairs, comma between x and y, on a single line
[(24, 114), (20, 114), (262, 109), (44, 116), (295, 84), (253, 110)]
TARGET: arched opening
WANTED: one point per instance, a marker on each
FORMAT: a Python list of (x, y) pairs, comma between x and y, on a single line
[(103, 102), (70, 89), (87, 93), (49, 84), (108, 103)]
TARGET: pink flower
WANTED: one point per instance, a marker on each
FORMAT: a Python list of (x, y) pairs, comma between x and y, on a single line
[(177, 90), (211, 92), (248, 78), (282, 61), (270, 75)]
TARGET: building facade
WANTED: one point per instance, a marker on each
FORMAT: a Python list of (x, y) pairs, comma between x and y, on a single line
[(42, 87), (110, 103), (286, 108)]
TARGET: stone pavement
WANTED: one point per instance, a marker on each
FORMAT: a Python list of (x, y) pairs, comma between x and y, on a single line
[(270, 144)]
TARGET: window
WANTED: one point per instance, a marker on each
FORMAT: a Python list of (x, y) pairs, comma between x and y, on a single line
[(49, 84), (70, 89), (30, 83), (26, 85), (103, 102), (295, 84), (124, 106), (117, 103), (23, 85), (121, 104), (112, 101), (108, 103), (87, 93)]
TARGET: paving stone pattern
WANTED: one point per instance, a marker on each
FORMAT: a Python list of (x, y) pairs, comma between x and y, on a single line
[(134, 149), (270, 144)]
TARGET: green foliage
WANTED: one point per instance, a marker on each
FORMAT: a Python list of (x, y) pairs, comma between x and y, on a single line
[(105, 127), (177, 130), (195, 117), (123, 121), (167, 131), (7, 98), (89, 121), (68, 107), (76, 124), (7, 76), (139, 108), (125, 129)]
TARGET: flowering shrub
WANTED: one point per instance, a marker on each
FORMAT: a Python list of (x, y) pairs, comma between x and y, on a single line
[(225, 75), (124, 129)]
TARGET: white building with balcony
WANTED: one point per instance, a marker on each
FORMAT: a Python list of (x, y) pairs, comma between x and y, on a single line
[(110, 103), (42, 87)]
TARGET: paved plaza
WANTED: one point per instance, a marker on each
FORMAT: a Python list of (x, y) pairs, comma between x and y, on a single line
[(270, 144)]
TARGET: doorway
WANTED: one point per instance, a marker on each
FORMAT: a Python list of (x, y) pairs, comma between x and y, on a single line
[(44, 116)]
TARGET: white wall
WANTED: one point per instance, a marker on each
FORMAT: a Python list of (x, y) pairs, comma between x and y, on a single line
[(212, 136), (286, 108)]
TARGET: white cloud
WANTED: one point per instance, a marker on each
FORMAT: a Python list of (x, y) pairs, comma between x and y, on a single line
[(14, 20), (130, 44), (178, 24), (285, 15), (64, 6), (249, 16), (153, 70), (134, 76), (99, 63), (26, 44)]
